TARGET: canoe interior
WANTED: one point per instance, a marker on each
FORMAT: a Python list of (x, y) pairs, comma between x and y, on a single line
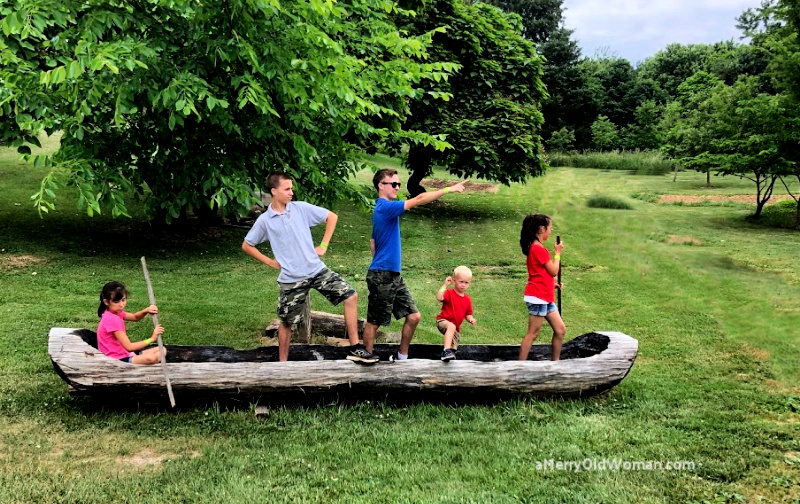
[(583, 346)]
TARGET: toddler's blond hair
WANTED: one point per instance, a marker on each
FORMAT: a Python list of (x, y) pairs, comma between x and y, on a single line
[(462, 271)]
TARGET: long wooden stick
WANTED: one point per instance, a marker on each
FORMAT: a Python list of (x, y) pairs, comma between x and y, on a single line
[(558, 240), (155, 324)]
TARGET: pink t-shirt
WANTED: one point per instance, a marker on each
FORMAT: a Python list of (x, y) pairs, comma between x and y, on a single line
[(106, 341)]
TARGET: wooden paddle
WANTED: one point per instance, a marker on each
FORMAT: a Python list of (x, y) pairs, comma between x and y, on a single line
[(155, 323), (558, 240)]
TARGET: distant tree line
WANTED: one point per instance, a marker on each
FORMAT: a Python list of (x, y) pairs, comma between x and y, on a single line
[(727, 108)]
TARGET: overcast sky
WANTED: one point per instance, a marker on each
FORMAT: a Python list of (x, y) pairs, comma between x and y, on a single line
[(636, 29)]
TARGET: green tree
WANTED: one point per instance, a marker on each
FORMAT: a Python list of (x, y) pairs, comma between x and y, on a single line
[(686, 124), (492, 115), (752, 132), (644, 133), (561, 140), (604, 134), (189, 104), (570, 102)]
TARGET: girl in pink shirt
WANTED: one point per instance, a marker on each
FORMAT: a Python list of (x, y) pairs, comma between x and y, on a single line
[(112, 339), (540, 289)]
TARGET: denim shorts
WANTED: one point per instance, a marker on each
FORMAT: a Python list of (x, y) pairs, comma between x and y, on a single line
[(128, 359), (541, 310)]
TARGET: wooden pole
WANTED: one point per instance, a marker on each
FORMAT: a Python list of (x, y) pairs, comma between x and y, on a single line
[(155, 323), (558, 240)]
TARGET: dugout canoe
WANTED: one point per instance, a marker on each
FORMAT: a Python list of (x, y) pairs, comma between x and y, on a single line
[(590, 364)]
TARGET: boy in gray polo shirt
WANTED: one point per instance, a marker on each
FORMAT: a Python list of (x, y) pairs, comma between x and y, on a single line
[(286, 225)]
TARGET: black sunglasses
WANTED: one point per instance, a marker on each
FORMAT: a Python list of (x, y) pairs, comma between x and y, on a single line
[(395, 185)]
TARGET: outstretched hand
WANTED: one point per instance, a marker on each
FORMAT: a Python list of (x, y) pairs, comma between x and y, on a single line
[(458, 187), (152, 309)]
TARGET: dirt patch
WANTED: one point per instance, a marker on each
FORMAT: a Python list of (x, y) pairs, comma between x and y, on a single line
[(759, 354), (147, 458), (682, 240), (736, 198), (12, 262), (468, 187)]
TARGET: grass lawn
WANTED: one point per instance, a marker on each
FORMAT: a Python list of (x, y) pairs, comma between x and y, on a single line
[(713, 299)]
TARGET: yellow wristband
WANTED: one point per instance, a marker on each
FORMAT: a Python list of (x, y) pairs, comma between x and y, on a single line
[(443, 289), (324, 245), (148, 341), (558, 257), (446, 190)]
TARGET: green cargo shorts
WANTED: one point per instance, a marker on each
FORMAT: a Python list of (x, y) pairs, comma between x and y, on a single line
[(293, 295), (388, 295)]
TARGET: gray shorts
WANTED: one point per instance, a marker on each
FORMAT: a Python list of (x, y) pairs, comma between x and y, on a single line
[(293, 295), (388, 295)]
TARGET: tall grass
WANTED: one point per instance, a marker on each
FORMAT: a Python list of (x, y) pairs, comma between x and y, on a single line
[(640, 162)]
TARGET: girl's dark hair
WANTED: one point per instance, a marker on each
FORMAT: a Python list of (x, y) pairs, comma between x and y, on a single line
[(112, 291), (530, 228)]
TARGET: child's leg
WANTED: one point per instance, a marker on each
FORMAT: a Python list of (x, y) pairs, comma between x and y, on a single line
[(534, 326), (149, 356), (559, 330), (449, 331)]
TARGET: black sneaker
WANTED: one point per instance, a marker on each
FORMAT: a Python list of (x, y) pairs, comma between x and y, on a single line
[(448, 355), (360, 355)]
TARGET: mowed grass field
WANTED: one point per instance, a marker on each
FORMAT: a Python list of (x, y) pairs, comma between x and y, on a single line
[(713, 299)]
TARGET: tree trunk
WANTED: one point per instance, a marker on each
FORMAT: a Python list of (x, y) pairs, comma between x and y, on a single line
[(761, 199), (419, 164), (797, 214), (708, 178)]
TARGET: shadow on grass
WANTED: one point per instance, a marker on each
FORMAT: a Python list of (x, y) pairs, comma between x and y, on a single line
[(119, 238)]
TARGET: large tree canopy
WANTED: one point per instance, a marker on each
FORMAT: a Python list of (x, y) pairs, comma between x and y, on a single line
[(493, 119), (189, 104)]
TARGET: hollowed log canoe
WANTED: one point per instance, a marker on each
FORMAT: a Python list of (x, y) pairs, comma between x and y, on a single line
[(590, 363)]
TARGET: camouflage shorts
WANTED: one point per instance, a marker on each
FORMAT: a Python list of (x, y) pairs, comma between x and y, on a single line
[(388, 295), (293, 295), (441, 324)]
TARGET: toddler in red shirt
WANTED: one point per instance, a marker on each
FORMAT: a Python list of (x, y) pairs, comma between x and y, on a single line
[(456, 307)]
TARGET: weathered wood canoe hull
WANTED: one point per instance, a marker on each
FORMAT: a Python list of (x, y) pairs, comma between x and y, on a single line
[(590, 363)]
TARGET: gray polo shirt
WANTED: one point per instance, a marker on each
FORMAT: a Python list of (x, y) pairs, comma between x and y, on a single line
[(289, 235)]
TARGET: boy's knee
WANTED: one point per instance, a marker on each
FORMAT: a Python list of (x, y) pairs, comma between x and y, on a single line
[(414, 318)]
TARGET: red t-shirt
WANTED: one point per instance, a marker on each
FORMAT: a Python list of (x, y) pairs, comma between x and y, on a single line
[(541, 284), (455, 308)]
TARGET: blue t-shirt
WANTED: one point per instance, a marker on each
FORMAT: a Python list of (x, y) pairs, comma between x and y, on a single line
[(386, 233), (289, 236)]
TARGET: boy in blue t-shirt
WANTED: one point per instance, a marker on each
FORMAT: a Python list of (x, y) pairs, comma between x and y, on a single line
[(388, 293)]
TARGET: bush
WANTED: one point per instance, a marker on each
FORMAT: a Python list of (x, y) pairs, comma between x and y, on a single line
[(603, 201), (782, 214)]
